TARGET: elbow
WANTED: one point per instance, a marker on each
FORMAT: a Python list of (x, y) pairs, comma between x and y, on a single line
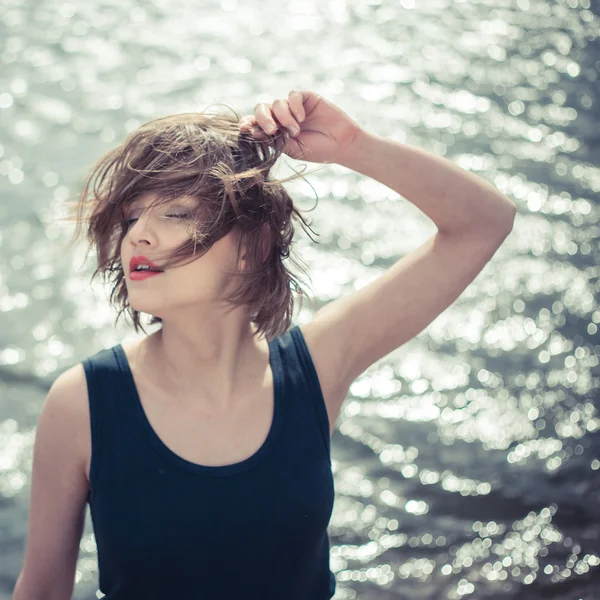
[(512, 213), (494, 230), (493, 223), (503, 219), (502, 223)]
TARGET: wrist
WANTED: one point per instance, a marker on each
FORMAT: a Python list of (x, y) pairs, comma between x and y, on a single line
[(358, 149)]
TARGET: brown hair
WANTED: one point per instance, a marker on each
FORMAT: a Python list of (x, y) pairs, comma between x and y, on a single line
[(227, 172)]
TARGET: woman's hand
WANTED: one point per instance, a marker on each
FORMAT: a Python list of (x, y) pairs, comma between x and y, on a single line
[(325, 132)]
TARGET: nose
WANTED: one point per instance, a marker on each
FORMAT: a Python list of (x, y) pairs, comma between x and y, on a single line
[(139, 232)]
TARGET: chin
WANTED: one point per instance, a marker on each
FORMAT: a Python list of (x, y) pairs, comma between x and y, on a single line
[(146, 308)]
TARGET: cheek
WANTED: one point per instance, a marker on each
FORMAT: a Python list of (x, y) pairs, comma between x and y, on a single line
[(199, 276)]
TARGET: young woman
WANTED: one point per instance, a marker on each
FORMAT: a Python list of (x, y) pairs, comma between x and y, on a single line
[(203, 448)]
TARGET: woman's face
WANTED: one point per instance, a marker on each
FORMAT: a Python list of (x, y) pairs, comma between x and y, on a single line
[(155, 231)]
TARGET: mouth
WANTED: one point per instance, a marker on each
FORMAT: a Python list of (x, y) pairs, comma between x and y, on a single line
[(143, 274)]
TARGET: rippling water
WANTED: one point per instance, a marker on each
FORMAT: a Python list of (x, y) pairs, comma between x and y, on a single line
[(466, 462)]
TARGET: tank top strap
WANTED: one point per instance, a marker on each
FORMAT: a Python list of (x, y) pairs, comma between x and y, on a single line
[(300, 371), (111, 410)]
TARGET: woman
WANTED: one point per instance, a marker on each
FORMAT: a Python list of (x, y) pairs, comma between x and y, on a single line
[(203, 448)]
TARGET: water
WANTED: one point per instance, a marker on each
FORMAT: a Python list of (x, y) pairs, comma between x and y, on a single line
[(466, 462)]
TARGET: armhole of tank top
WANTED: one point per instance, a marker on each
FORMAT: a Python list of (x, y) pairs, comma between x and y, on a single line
[(89, 370), (311, 377)]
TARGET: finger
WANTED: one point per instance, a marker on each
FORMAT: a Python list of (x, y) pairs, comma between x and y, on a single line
[(246, 120), (264, 117), (248, 124), (281, 110), (256, 132), (296, 100)]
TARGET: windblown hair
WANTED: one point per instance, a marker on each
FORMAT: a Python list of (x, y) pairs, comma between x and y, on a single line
[(226, 172)]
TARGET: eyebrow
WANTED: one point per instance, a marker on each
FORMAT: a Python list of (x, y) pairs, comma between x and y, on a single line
[(175, 205), (172, 202)]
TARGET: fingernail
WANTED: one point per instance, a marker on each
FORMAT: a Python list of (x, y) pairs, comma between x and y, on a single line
[(294, 130)]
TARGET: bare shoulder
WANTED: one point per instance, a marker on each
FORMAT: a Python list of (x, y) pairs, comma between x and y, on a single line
[(69, 395), (71, 387)]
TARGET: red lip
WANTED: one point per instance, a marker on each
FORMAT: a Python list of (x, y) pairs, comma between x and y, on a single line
[(141, 260), (141, 275)]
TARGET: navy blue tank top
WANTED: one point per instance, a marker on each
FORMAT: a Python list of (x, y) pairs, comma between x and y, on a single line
[(168, 528)]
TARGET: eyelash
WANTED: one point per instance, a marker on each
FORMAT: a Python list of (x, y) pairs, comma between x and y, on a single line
[(185, 216)]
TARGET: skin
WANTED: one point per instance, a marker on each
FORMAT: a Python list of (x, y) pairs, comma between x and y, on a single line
[(201, 354)]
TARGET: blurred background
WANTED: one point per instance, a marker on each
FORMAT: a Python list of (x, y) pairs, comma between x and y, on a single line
[(467, 461)]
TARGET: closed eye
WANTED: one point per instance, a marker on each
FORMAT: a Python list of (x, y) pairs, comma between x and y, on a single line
[(184, 216)]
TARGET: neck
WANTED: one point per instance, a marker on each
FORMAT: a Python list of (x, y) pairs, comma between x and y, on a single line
[(199, 369)]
